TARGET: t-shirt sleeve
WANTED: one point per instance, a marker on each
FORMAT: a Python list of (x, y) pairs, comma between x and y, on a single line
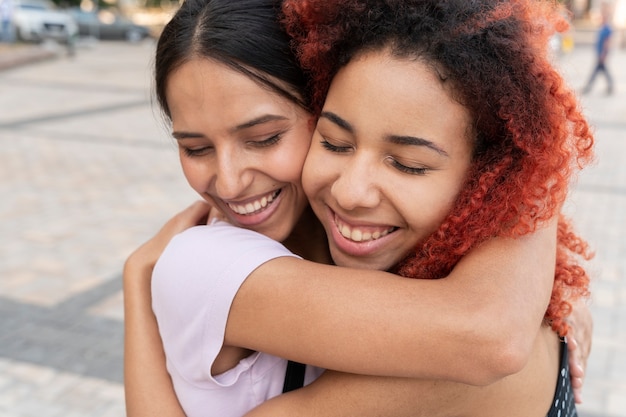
[(193, 286)]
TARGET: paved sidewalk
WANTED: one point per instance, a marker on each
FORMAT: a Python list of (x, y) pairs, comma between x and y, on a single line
[(598, 207), (16, 55), (87, 173)]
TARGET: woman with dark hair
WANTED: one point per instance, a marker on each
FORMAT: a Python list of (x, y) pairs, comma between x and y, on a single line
[(227, 80), (344, 319)]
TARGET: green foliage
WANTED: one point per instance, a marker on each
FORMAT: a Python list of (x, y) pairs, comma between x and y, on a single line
[(66, 3)]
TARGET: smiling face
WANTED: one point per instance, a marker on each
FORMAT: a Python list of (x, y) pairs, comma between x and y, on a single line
[(388, 158), (242, 146)]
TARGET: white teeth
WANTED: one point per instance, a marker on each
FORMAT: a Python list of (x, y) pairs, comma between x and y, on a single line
[(254, 206), (358, 235)]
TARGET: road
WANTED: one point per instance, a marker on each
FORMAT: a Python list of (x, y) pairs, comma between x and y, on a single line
[(88, 172)]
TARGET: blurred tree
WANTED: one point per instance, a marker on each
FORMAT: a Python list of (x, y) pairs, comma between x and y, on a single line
[(100, 4), (67, 3), (154, 3)]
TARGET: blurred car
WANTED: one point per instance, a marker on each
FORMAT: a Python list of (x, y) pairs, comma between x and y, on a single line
[(108, 24), (38, 20)]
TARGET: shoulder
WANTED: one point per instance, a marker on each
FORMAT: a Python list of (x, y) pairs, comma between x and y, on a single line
[(222, 252), (219, 238)]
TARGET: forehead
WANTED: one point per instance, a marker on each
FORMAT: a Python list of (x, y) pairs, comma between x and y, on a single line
[(219, 94), (383, 93), (204, 76)]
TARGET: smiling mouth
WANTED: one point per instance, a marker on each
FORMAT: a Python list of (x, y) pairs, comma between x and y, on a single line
[(362, 233), (253, 207)]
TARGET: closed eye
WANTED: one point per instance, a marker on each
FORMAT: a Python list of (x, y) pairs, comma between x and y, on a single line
[(194, 152), (408, 170), (272, 140), (334, 148)]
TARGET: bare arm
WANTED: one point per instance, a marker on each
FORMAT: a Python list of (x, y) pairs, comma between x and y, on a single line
[(523, 394), (334, 394), (143, 345), (347, 336), (146, 378), (428, 328), (337, 394), (148, 387)]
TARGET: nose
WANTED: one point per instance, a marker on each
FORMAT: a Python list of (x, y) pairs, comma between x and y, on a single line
[(357, 185), (232, 176)]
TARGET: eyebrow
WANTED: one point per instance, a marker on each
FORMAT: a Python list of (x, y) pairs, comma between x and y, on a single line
[(395, 139), (334, 118), (243, 126), (258, 121), (413, 141), (186, 135)]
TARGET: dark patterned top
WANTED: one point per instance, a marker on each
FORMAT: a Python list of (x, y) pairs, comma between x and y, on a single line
[(563, 404)]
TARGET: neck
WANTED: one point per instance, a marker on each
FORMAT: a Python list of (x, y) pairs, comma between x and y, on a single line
[(308, 239)]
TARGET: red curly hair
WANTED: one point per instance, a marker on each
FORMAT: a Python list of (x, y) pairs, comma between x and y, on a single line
[(531, 136)]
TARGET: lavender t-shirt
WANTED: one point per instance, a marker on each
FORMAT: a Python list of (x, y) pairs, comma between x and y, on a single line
[(193, 286)]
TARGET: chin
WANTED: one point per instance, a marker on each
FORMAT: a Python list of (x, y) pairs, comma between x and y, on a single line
[(360, 263), (273, 233)]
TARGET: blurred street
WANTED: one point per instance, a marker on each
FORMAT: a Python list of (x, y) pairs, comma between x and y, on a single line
[(88, 172)]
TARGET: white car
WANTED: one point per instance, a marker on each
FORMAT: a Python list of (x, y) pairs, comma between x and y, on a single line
[(38, 20)]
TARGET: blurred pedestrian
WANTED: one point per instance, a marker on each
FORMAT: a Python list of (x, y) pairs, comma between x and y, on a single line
[(6, 20), (602, 51)]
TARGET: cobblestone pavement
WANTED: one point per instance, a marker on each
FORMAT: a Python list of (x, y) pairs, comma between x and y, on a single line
[(87, 173), (598, 207)]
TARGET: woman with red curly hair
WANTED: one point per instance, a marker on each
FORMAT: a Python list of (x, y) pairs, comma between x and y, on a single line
[(444, 121), (528, 134), (445, 130)]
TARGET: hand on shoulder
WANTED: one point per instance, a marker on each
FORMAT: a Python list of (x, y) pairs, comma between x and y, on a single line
[(144, 258)]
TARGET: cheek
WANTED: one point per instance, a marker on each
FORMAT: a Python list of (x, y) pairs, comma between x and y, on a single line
[(288, 162), (313, 175), (307, 178), (196, 174), (426, 209), (287, 165)]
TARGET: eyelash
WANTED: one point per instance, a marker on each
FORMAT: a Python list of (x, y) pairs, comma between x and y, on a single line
[(196, 152), (409, 170), (333, 148), (269, 141), (400, 167), (260, 144)]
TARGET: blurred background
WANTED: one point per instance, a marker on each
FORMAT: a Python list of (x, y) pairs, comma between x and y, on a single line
[(88, 172)]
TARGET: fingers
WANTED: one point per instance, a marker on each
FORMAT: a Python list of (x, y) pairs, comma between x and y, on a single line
[(575, 361), (578, 396), (196, 213), (144, 258), (215, 214), (577, 383), (577, 372), (193, 215)]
